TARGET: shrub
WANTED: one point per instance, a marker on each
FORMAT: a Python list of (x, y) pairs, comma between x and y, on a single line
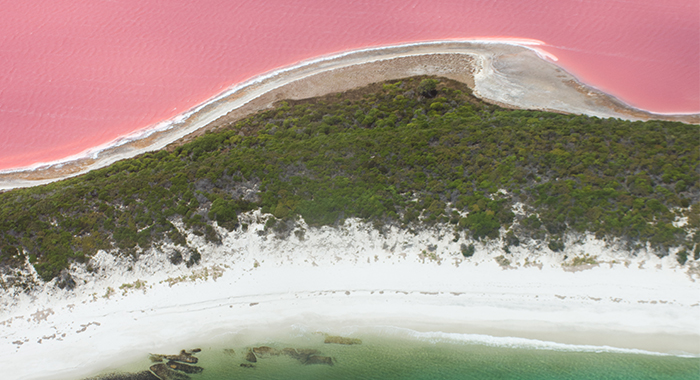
[(556, 245), (467, 250), (428, 88), (224, 212), (195, 257)]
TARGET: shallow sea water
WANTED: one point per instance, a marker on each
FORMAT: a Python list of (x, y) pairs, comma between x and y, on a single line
[(407, 356)]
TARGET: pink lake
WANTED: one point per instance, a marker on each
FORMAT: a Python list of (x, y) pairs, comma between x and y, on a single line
[(75, 74)]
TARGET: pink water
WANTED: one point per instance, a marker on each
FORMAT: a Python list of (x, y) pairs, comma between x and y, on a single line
[(78, 74)]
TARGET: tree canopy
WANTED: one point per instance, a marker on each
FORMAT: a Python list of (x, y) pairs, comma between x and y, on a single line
[(389, 154)]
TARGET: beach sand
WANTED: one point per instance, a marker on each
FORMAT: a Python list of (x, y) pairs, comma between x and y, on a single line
[(337, 280), (506, 74)]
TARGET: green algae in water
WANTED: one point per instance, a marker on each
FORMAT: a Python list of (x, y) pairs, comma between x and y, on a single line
[(392, 357)]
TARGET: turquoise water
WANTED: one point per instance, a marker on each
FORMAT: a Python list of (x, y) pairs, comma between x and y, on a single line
[(392, 356)]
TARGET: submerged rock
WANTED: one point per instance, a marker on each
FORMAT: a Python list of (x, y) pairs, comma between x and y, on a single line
[(265, 351), (307, 356), (289, 351), (250, 356), (165, 373), (247, 365), (319, 360), (184, 356), (307, 351), (341, 340), (186, 368), (301, 354), (143, 375)]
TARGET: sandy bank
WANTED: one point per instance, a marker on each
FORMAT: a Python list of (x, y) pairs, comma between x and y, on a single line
[(333, 279), (506, 74)]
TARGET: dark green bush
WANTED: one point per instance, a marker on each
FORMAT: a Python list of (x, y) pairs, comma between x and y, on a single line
[(376, 153), (467, 250)]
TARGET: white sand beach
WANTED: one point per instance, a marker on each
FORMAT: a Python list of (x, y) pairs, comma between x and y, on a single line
[(332, 279), (511, 73)]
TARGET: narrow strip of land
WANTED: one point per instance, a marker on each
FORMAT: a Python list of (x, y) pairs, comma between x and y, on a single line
[(505, 74)]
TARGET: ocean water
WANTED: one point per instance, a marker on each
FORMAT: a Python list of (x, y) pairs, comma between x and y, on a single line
[(405, 355), (75, 75)]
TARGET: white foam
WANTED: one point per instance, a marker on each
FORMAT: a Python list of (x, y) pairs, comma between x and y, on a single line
[(524, 343)]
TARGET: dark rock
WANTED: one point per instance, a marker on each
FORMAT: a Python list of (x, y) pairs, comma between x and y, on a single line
[(186, 368), (265, 351), (165, 373), (184, 356), (319, 360), (291, 352), (302, 355), (307, 351), (143, 375), (250, 356), (247, 365)]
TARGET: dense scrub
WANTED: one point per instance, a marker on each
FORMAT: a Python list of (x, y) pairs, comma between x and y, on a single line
[(408, 153)]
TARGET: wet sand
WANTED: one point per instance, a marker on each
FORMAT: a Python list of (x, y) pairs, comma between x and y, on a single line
[(505, 74)]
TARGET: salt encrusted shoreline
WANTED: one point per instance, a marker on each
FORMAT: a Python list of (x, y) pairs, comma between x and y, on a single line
[(331, 278), (512, 73)]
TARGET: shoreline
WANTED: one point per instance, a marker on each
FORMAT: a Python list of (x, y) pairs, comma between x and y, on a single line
[(346, 279), (510, 73)]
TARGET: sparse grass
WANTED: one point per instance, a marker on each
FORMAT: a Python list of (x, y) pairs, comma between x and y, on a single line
[(333, 339), (138, 284), (201, 274), (502, 261), (432, 256), (585, 259), (109, 293)]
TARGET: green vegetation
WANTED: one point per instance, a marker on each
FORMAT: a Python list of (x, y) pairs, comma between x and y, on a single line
[(428, 87), (586, 259), (411, 153), (467, 250), (502, 261)]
